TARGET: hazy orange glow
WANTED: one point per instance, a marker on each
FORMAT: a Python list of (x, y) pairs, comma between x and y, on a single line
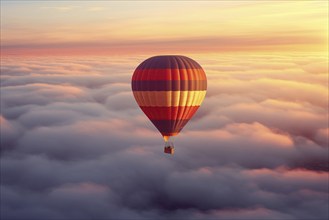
[(106, 27)]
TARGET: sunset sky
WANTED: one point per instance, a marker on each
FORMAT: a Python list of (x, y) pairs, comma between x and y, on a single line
[(75, 144), (116, 27)]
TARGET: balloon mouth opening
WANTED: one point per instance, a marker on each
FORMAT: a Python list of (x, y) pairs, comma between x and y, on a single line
[(167, 137)]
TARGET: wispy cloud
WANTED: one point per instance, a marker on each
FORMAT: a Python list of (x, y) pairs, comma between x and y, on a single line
[(96, 9), (60, 8)]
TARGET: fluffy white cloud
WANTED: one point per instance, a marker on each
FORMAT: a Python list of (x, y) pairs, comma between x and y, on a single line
[(75, 145)]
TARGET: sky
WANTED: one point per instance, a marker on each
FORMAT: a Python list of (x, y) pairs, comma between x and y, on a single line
[(117, 27), (75, 144)]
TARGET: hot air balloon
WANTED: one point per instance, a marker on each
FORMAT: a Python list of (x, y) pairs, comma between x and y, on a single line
[(169, 90)]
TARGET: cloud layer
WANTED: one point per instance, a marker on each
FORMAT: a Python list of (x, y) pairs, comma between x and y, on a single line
[(75, 145)]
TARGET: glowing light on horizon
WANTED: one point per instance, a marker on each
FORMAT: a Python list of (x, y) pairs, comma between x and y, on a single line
[(129, 27)]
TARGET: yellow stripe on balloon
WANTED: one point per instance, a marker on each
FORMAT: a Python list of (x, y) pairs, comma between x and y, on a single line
[(169, 98)]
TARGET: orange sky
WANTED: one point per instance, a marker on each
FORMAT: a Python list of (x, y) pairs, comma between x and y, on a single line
[(113, 27)]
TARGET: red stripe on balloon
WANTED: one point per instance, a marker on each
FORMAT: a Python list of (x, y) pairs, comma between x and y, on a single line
[(170, 113), (169, 74), (168, 85), (170, 126)]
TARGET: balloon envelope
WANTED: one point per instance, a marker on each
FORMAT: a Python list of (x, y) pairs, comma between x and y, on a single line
[(169, 90)]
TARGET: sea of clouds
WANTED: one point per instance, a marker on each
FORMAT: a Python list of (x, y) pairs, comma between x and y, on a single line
[(75, 145)]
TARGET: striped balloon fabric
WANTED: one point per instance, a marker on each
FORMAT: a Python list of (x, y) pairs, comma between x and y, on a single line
[(169, 90)]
